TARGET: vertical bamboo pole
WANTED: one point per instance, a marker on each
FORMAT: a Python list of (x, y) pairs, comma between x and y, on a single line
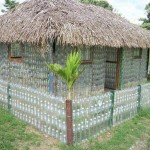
[(69, 124)]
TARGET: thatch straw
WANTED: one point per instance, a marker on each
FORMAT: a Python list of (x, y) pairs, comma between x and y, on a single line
[(70, 22)]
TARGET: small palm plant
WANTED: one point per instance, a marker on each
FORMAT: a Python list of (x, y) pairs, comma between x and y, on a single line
[(70, 73)]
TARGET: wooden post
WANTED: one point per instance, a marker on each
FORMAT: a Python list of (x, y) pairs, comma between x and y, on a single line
[(69, 124)]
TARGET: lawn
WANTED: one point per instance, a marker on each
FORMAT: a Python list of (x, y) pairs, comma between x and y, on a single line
[(122, 137), (15, 134)]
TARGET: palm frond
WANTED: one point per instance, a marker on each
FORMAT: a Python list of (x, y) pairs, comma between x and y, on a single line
[(70, 73)]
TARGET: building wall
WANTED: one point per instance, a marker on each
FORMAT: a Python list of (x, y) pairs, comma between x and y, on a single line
[(91, 82), (4, 65), (134, 70), (32, 73), (111, 68)]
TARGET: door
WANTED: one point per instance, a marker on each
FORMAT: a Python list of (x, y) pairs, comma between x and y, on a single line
[(112, 71)]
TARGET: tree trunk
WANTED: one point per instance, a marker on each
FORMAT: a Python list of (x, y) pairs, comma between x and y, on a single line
[(69, 94)]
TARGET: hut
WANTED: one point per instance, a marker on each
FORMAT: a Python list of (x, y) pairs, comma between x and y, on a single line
[(40, 32)]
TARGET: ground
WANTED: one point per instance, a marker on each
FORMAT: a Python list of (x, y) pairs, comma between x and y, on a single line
[(17, 135), (140, 145), (131, 135)]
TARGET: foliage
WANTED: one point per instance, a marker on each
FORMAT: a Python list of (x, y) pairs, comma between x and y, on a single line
[(146, 21), (9, 4), (69, 73), (148, 143), (101, 3), (146, 25)]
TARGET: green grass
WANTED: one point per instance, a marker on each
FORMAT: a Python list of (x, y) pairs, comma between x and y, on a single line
[(13, 134), (148, 143), (122, 137)]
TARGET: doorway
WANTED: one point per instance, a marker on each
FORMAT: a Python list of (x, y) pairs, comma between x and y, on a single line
[(112, 71)]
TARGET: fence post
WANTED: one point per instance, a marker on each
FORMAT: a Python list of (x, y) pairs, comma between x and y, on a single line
[(69, 124), (112, 109), (8, 97), (139, 98)]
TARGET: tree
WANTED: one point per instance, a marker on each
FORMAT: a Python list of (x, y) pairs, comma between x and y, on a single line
[(9, 4), (101, 3), (146, 21), (70, 73)]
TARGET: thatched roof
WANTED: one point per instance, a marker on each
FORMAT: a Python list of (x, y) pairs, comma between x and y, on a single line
[(69, 22)]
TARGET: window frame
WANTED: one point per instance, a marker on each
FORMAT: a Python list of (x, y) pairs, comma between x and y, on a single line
[(140, 53), (15, 59), (90, 61)]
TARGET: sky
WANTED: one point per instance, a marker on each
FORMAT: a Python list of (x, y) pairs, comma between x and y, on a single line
[(132, 10)]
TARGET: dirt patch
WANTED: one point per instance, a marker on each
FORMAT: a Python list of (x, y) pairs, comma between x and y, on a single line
[(103, 137), (140, 145), (41, 142)]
